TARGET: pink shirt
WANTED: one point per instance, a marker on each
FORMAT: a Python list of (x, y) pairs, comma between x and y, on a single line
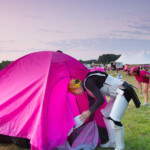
[(142, 78), (97, 69), (126, 67)]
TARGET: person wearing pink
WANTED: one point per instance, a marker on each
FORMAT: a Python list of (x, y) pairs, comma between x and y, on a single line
[(97, 69), (142, 76), (126, 69)]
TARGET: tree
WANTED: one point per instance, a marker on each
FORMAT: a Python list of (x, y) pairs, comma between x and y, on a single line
[(88, 61), (107, 58), (3, 64)]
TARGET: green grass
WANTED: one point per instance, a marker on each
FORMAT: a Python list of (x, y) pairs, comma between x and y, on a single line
[(136, 122)]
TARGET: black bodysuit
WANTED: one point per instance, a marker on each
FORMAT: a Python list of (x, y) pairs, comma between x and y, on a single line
[(94, 83)]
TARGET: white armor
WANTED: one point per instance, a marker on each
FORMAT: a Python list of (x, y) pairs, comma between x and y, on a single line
[(112, 87), (115, 107)]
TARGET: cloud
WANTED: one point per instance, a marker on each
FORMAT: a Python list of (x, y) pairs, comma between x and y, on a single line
[(1, 49), (90, 48), (62, 32), (129, 32), (2, 41), (142, 27), (7, 41), (136, 32), (6, 49), (68, 44), (33, 17), (104, 44), (44, 30)]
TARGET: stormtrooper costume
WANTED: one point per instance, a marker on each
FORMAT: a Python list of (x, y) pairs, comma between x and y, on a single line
[(99, 84)]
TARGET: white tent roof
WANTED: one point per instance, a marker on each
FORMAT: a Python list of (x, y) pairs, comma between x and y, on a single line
[(139, 58)]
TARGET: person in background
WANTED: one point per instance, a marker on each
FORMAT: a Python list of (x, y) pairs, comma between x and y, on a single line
[(126, 68), (142, 76), (117, 70), (59, 51), (97, 85)]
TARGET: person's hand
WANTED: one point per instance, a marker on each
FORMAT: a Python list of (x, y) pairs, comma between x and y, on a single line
[(85, 115)]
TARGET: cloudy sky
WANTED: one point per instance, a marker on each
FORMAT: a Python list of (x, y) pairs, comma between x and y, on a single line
[(83, 29)]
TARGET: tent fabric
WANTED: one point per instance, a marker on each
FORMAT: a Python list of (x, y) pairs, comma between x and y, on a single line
[(138, 58), (86, 140), (34, 98)]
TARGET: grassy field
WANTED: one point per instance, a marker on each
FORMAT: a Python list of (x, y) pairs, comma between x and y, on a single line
[(136, 123)]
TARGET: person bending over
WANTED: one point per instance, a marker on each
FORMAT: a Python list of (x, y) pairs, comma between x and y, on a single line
[(142, 76), (98, 84)]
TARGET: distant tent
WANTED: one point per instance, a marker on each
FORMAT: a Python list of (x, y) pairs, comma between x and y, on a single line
[(35, 102), (138, 58), (124, 58)]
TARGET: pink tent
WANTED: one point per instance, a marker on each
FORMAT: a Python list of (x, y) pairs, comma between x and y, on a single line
[(34, 98)]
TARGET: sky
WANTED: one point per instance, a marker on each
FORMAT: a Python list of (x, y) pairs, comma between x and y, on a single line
[(83, 29)]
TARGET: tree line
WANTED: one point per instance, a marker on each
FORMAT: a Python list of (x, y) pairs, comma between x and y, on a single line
[(3, 64), (103, 59)]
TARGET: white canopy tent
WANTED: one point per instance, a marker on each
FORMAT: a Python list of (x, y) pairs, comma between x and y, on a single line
[(138, 58)]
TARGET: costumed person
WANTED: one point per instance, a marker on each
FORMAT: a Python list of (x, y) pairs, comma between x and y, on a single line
[(142, 76), (99, 84)]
